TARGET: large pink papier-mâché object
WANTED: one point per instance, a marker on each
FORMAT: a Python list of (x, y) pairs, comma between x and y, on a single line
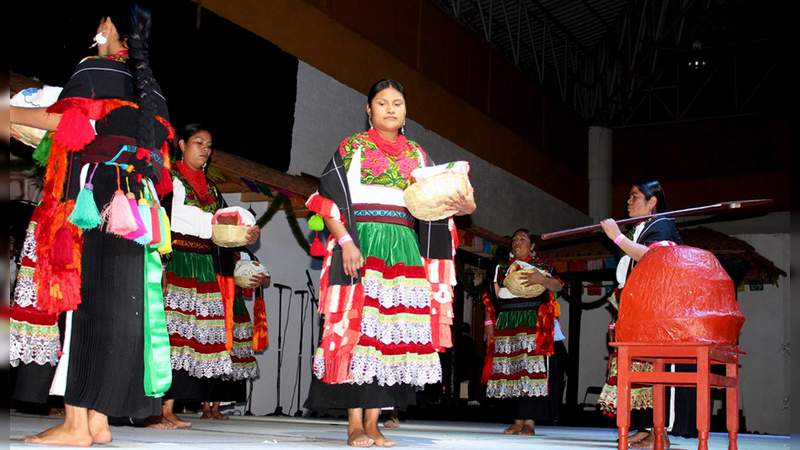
[(679, 294)]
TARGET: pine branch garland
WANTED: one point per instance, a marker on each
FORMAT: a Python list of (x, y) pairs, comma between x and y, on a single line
[(281, 201)]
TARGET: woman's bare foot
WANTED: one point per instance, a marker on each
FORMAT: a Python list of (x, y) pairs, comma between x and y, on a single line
[(514, 428), (638, 436), (358, 438), (62, 435), (98, 427), (159, 423), (379, 438), (649, 441), (528, 428), (392, 423), (177, 421), (168, 413), (216, 415)]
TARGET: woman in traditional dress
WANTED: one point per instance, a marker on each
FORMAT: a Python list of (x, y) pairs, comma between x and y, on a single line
[(524, 335), (644, 199), (200, 331), (386, 297), (110, 131)]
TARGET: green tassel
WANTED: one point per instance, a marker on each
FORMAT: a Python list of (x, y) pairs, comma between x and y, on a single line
[(42, 152), (86, 215)]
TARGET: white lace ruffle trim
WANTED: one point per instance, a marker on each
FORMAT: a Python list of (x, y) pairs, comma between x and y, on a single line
[(29, 245), (189, 302), (25, 291), (184, 360), (367, 369), (249, 372), (190, 330), (29, 349), (243, 332), (508, 366), (395, 333), (399, 295), (512, 344), (517, 388)]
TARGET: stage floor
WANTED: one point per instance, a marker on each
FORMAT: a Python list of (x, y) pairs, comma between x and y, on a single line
[(301, 433)]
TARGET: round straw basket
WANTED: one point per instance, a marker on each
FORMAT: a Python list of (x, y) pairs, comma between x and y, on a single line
[(427, 198), (513, 283), (229, 235)]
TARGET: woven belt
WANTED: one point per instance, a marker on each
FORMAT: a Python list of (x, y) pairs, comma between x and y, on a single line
[(191, 244), (369, 212), (509, 304)]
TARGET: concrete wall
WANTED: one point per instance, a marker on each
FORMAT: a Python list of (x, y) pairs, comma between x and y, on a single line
[(286, 262), (327, 111)]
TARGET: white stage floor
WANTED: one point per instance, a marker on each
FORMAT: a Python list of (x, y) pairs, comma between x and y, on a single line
[(301, 433)]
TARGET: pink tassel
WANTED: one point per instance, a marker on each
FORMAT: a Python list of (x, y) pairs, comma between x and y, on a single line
[(118, 216), (140, 228)]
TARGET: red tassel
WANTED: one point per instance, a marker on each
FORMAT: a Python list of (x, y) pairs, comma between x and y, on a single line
[(260, 331), (74, 130), (164, 185), (63, 244), (317, 247)]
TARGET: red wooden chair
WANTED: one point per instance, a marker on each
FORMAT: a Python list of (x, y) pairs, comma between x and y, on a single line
[(704, 356)]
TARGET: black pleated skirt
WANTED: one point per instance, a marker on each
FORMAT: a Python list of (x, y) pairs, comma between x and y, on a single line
[(335, 398), (186, 388), (106, 361)]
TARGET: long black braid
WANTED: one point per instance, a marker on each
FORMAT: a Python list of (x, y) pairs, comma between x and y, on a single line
[(146, 84), (133, 23)]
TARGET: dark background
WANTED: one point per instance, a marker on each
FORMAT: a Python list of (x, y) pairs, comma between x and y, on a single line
[(210, 70)]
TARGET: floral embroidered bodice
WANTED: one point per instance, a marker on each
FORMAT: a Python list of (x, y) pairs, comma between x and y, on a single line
[(380, 168)]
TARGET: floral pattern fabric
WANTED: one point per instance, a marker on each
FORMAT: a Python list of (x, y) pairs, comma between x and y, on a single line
[(378, 167)]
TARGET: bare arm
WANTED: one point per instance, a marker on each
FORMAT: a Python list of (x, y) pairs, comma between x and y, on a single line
[(35, 117), (336, 228), (632, 249), (351, 255)]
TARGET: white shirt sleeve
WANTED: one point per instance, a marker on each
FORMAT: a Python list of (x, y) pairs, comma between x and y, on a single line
[(188, 219)]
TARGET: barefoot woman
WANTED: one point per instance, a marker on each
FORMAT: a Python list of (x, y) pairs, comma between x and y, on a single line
[(110, 128), (378, 284)]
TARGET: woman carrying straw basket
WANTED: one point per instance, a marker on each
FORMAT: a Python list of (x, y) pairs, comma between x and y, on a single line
[(386, 286), (84, 254), (200, 326), (525, 334)]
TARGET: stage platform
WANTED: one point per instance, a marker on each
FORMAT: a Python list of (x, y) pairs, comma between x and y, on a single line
[(302, 433)]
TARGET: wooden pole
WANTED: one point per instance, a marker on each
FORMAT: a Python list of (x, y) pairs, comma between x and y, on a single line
[(701, 210)]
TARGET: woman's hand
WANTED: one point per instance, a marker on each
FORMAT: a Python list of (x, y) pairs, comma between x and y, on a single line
[(610, 228), (463, 204), (253, 234), (352, 259), (260, 279), (534, 277)]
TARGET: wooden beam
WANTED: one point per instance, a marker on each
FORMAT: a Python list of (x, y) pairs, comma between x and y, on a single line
[(254, 197), (232, 164)]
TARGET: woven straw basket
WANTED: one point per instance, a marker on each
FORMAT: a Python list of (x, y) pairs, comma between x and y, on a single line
[(513, 283), (426, 199), (28, 135), (246, 269), (229, 235)]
